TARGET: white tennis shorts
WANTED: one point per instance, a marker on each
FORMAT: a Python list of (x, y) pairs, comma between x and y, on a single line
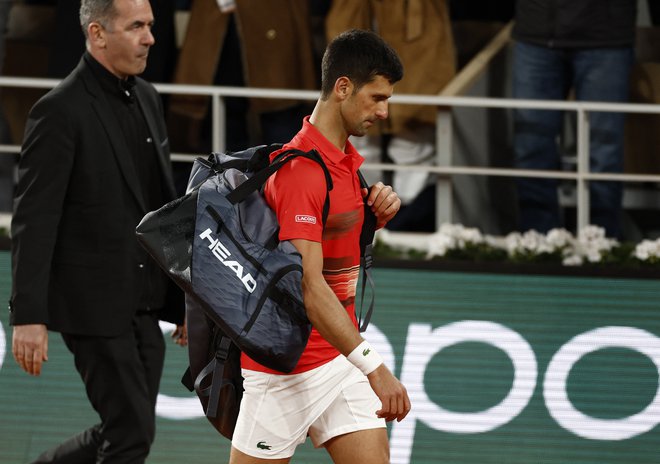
[(279, 411)]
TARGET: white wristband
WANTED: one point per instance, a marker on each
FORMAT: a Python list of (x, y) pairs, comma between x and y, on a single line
[(365, 358)]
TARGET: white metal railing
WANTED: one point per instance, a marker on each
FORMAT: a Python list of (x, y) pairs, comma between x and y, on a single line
[(444, 167)]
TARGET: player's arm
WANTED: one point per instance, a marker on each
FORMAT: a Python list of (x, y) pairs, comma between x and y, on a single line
[(323, 308), (330, 318)]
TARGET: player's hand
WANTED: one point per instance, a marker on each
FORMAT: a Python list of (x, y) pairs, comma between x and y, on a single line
[(393, 395), (30, 347), (180, 335), (384, 202)]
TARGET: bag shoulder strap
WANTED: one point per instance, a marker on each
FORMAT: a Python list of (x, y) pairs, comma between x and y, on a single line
[(366, 258), (258, 179), (215, 369)]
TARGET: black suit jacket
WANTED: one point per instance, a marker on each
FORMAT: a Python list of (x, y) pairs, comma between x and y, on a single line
[(75, 263)]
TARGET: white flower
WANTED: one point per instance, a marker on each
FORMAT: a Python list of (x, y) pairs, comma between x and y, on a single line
[(471, 235), (439, 244), (450, 237), (642, 252), (594, 256), (590, 233), (572, 260), (559, 238), (498, 243), (512, 242), (592, 244), (647, 250), (531, 242)]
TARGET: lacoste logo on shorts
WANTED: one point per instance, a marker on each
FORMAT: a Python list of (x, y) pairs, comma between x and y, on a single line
[(305, 218), (262, 445)]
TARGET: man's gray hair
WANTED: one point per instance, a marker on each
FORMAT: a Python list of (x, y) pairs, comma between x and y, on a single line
[(100, 11)]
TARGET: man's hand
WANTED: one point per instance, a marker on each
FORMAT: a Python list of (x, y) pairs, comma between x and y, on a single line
[(180, 335), (30, 347), (392, 394), (384, 202)]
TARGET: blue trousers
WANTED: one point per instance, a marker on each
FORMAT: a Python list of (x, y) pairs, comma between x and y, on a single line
[(599, 74)]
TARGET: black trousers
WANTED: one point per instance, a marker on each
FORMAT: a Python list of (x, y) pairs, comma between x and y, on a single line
[(121, 376)]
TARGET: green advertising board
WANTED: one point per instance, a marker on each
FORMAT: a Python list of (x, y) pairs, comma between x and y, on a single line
[(500, 369)]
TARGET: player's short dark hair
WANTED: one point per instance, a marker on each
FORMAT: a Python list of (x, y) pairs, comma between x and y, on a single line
[(359, 55)]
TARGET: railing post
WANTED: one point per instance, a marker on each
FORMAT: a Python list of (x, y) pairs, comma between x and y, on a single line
[(218, 123), (443, 152), (583, 132)]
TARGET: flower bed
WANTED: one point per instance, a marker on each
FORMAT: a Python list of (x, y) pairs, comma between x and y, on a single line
[(454, 242)]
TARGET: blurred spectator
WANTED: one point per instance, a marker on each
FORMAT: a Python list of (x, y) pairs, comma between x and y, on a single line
[(5, 6), (482, 10), (247, 43), (586, 46), (30, 26), (7, 161), (474, 23), (654, 11), (420, 32)]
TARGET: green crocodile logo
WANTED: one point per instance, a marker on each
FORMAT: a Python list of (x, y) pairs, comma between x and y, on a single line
[(366, 352), (262, 445)]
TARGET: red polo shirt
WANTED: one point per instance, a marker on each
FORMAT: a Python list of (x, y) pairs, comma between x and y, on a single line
[(297, 193)]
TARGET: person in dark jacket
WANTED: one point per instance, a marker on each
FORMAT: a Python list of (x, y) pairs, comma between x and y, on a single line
[(94, 161), (586, 46)]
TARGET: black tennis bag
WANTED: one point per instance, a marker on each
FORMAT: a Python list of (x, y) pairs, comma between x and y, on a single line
[(249, 281), (220, 244)]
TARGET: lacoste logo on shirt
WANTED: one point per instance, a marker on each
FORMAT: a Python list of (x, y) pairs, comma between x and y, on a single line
[(305, 218)]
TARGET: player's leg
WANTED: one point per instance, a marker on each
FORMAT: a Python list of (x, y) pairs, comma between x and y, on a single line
[(364, 446), (238, 457), (349, 428)]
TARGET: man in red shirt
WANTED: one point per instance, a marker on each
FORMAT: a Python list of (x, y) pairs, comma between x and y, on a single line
[(340, 393)]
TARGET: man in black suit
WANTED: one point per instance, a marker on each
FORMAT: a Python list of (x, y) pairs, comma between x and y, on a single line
[(94, 161)]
